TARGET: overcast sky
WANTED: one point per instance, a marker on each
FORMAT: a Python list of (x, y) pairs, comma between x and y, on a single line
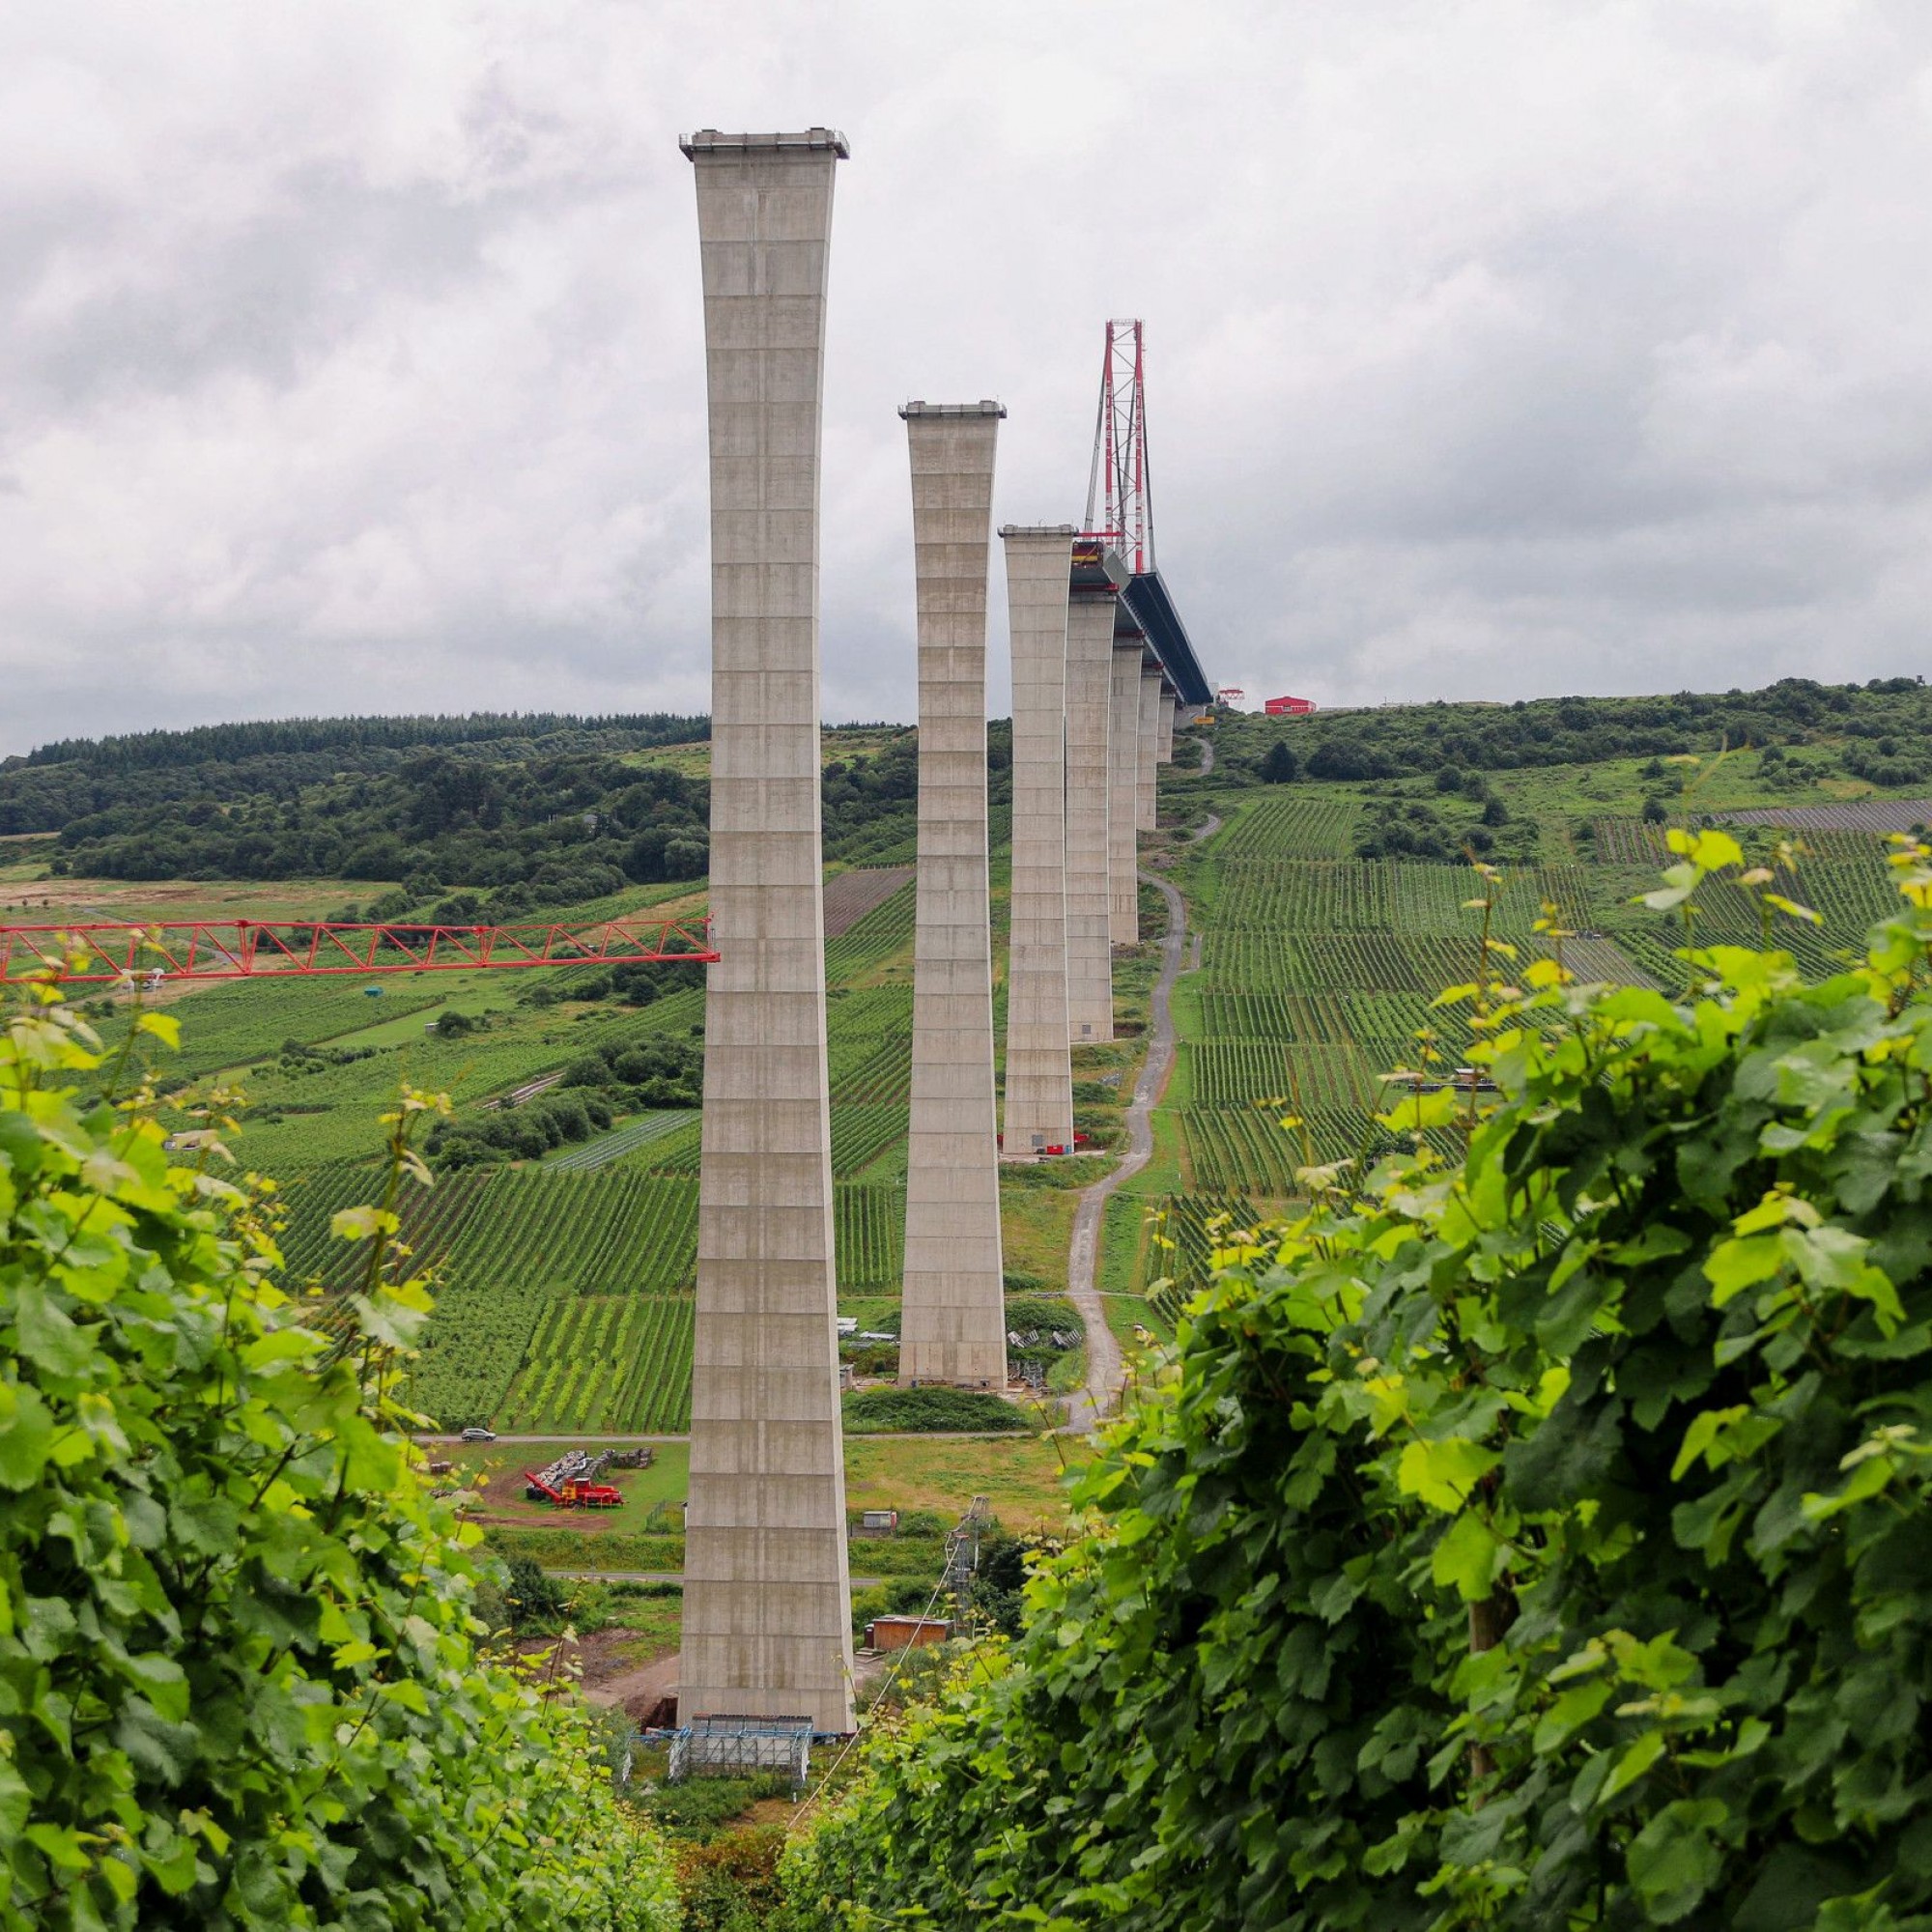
[(350, 354)]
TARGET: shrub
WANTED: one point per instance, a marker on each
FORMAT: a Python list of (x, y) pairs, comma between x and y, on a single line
[(1539, 1543), (730, 1884), (532, 1594), (698, 1808), (1044, 1312), (915, 1410), (239, 1676)]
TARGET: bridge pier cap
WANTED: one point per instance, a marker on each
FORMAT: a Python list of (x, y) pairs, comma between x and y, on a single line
[(985, 407), (709, 141)]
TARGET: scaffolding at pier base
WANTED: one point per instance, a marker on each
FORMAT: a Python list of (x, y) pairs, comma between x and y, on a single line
[(250, 949), (724, 1745)]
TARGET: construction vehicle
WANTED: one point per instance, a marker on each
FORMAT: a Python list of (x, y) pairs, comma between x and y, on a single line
[(573, 1493)]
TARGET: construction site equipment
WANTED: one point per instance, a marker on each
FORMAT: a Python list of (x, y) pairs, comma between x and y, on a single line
[(962, 1555), (247, 949), (572, 1495), (571, 1481), (722, 1746), (1119, 486)]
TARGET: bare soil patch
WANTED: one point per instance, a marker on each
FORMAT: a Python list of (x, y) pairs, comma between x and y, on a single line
[(852, 894), (611, 1668), (1867, 815)]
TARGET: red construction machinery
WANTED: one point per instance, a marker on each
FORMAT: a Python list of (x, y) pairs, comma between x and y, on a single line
[(570, 1482), (572, 1495)]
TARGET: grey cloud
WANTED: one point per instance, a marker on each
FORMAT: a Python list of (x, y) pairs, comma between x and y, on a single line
[(351, 358)]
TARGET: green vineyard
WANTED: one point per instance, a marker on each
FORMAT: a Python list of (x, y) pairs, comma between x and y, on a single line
[(1292, 827), (524, 1259), (605, 1364), (1184, 1232), (1318, 968)]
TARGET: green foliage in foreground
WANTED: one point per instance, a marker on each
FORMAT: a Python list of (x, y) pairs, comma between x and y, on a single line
[(240, 1675), (1543, 1544)]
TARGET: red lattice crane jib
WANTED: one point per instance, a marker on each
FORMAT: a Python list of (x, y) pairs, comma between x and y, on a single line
[(250, 949)]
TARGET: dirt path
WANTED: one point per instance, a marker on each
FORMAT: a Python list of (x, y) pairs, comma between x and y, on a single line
[(1103, 1351), (636, 1690)]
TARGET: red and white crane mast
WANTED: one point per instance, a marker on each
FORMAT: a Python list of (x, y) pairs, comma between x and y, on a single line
[(1118, 485)]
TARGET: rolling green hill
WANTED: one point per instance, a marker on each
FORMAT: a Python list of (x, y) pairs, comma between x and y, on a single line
[(1330, 906)]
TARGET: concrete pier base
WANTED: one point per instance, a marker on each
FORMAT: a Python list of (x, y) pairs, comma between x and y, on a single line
[(1154, 702), (953, 1322), (1123, 775), (1039, 1070), (767, 1598), (1164, 748), (1090, 966)]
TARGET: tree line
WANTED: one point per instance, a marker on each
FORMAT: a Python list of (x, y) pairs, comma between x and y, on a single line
[(1879, 731), (497, 826)]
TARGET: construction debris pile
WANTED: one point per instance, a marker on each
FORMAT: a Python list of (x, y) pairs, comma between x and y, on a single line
[(579, 1465)]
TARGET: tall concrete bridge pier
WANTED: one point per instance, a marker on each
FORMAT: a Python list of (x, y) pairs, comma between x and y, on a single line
[(1154, 702), (767, 1598), (1039, 1070), (1124, 778), (955, 1311), (1090, 959)]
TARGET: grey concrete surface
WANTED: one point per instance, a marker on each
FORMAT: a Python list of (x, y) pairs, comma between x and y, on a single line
[(955, 1310), (1089, 960), (1154, 702), (1039, 1070), (1103, 1352), (1123, 777), (1164, 747), (767, 1617)]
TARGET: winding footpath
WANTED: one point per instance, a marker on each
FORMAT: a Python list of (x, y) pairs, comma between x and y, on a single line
[(1104, 1370)]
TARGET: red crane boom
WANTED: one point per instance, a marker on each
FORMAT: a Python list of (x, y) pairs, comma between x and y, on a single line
[(253, 948)]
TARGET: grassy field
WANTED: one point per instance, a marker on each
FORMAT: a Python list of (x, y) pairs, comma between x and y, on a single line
[(1023, 1480)]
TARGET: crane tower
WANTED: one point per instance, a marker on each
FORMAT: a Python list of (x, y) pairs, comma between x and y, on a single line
[(1119, 486)]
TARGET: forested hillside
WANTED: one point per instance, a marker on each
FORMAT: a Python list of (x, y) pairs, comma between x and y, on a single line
[(529, 810), (1878, 732)]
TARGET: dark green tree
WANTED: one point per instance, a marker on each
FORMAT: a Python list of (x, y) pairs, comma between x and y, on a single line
[(1279, 766)]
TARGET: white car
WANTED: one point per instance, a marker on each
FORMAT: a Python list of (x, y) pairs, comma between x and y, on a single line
[(475, 1435)]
